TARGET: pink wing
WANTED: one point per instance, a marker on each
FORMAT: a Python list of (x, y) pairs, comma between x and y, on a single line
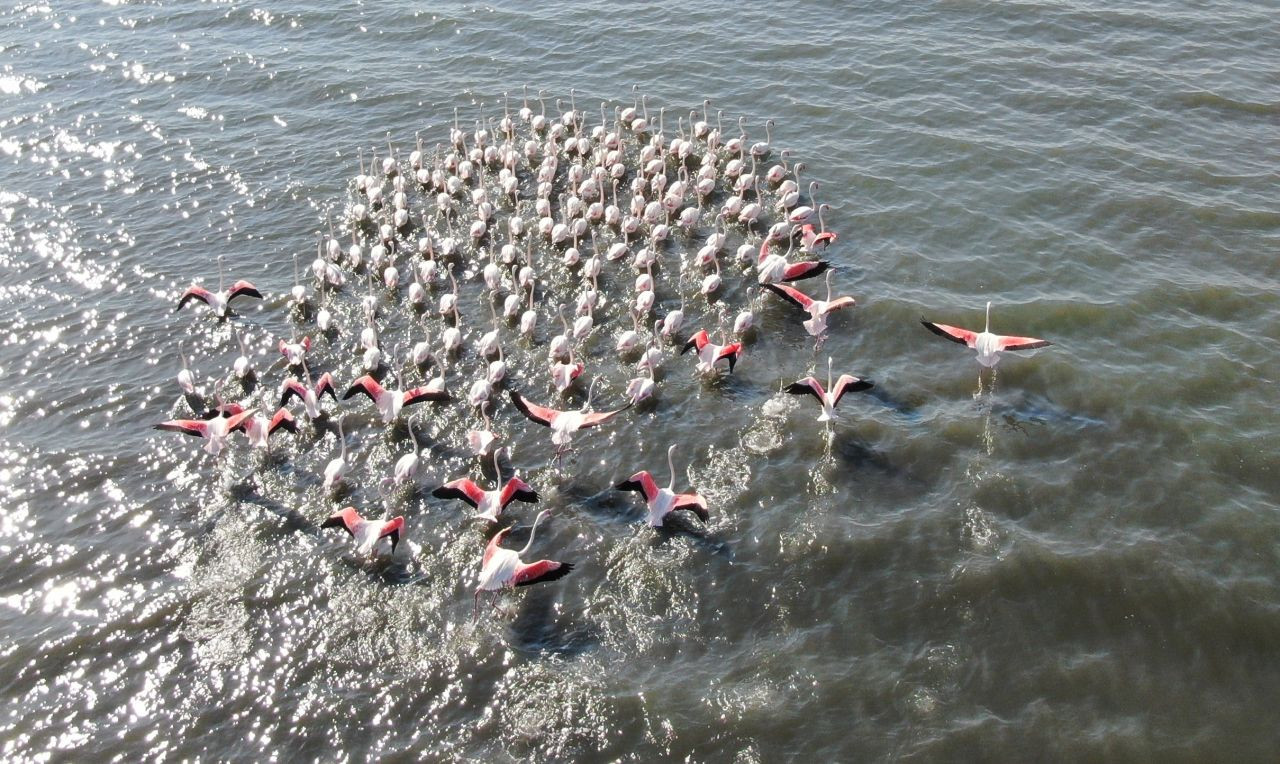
[(290, 388), (694, 503), (542, 570), (367, 385), (850, 384), (325, 385), (1021, 343), (953, 333), (461, 488), (593, 419), (805, 270), (185, 426), (696, 341), (540, 414), (809, 386), (193, 293), (840, 302), (282, 419), (493, 546), (243, 288), (517, 489), (642, 481), (420, 394), (791, 295)]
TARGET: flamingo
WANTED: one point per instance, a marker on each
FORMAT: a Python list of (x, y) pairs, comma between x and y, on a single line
[(390, 402), (259, 429), (829, 397), (641, 388), (503, 569), (406, 468), (309, 394), (810, 239), (709, 353), (366, 533), (336, 469), (480, 441), (988, 345), (186, 379), (564, 373), (818, 310), (489, 503), (214, 431), (220, 300), (242, 366), (773, 267), (563, 424), (664, 501), (295, 350)]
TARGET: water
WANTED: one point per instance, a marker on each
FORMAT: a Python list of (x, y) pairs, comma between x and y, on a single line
[(1076, 560)]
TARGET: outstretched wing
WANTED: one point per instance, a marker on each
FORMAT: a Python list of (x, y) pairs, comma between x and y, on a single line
[(850, 384), (807, 386), (953, 333), (367, 385), (791, 295), (540, 414), (243, 288), (696, 341), (282, 420), (805, 270), (517, 490), (1022, 343), (641, 482), (542, 570), (463, 489), (420, 394), (192, 293), (193, 427), (325, 385), (694, 503)]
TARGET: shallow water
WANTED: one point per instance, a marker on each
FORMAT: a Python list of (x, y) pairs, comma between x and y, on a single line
[(1074, 557)]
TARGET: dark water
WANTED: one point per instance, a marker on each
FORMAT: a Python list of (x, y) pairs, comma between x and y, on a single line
[(1073, 558)]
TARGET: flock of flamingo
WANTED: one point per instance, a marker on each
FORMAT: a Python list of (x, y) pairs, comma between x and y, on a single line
[(613, 217)]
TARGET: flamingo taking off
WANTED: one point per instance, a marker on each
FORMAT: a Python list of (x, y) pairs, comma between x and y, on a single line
[(829, 397), (709, 353), (503, 569), (563, 424), (818, 310), (390, 402), (664, 501), (988, 345), (310, 395), (489, 503), (214, 431), (219, 300), (366, 533)]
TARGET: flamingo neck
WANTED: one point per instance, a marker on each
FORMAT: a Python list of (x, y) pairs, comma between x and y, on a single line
[(671, 467), (532, 531), (987, 326)]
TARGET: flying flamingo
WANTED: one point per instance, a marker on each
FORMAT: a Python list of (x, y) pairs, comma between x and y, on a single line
[(829, 397), (390, 402), (503, 569), (773, 267), (489, 503), (215, 431), (664, 501), (563, 424), (218, 301), (309, 394), (709, 353), (366, 533), (818, 310), (988, 345), (259, 429)]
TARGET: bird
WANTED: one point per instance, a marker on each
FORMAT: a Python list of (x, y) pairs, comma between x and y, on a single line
[(366, 533), (259, 429), (407, 466), (818, 310), (664, 501), (186, 379), (503, 569), (988, 345), (294, 351), (336, 469), (390, 402), (218, 301), (772, 267), (489, 503), (563, 424), (829, 397), (215, 431), (310, 395), (708, 353)]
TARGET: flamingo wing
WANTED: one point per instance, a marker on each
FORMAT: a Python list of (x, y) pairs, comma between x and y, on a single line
[(325, 385), (493, 546), (805, 270), (291, 388), (953, 333), (346, 519), (596, 418), (542, 570), (641, 482), (540, 414), (1021, 343), (517, 490), (730, 352), (243, 288), (765, 246), (807, 386), (236, 421), (193, 293), (791, 295), (392, 529), (696, 341), (282, 420), (694, 503), (841, 302), (193, 427), (367, 385), (463, 489), (850, 384), (420, 394)]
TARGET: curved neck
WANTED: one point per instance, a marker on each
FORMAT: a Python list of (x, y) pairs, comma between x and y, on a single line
[(671, 467), (532, 532)]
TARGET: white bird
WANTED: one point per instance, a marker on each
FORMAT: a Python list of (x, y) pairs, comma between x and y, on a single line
[(336, 469), (663, 501), (988, 345), (829, 397), (504, 569)]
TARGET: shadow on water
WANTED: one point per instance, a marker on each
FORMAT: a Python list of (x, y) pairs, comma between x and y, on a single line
[(536, 629)]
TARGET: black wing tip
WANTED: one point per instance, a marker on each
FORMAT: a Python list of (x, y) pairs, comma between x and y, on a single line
[(628, 485), (551, 575), (797, 388)]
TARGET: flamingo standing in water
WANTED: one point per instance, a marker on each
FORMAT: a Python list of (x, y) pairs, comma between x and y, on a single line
[(664, 501), (709, 353), (818, 310), (563, 424), (218, 301), (336, 469), (503, 569), (829, 397), (366, 533), (489, 503), (988, 345)]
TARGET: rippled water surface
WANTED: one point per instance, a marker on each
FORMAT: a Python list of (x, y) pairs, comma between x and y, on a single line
[(1072, 557)]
